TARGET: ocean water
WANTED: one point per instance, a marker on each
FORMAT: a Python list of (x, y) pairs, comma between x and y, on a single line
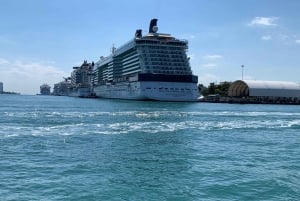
[(62, 148)]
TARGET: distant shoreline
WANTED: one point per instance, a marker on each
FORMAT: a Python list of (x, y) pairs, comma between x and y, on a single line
[(10, 93), (245, 100)]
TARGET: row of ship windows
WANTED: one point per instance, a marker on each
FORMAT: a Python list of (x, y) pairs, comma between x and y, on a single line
[(165, 52), (163, 56), (165, 60), (120, 71), (168, 72), (167, 68), (165, 64), (160, 48), (128, 56), (131, 69), (172, 89), (118, 67), (132, 63)]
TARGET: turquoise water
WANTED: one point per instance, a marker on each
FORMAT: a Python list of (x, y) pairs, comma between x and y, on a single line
[(62, 148)]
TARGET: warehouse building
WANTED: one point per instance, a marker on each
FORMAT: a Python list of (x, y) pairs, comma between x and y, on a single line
[(264, 91)]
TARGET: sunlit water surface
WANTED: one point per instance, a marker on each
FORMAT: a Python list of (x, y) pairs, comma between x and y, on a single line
[(62, 148)]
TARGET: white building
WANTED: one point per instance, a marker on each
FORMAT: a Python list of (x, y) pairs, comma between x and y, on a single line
[(264, 89)]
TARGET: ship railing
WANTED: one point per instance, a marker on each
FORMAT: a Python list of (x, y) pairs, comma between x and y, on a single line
[(125, 47)]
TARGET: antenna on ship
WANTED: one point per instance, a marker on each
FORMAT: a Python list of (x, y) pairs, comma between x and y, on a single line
[(67, 79), (113, 49)]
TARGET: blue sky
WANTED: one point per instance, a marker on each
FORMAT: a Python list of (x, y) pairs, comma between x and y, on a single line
[(41, 40)]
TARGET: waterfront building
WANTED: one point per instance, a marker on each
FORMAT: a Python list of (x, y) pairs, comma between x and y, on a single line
[(265, 91)]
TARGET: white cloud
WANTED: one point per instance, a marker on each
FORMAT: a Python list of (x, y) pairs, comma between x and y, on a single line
[(209, 66), (187, 36), (213, 57), (26, 77), (263, 21), (3, 61), (297, 41), (210, 61), (191, 36), (284, 37), (206, 79), (267, 37)]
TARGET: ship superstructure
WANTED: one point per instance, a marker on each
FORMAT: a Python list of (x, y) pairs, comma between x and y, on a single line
[(62, 88), (79, 84), (150, 67), (81, 80), (45, 89)]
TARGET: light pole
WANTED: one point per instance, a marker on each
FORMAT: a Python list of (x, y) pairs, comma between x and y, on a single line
[(242, 72)]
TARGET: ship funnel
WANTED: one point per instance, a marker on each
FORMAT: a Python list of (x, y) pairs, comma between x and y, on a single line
[(153, 26), (138, 33)]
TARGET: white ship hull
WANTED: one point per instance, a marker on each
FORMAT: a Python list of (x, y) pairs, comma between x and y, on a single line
[(149, 90), (82, 92)]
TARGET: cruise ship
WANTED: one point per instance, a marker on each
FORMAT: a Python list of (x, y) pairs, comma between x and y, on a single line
[(81, 80), (150, 67), (79, 84), (45, 89), (62, 88)]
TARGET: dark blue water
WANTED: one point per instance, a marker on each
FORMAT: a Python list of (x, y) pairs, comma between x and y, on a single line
[(62, 148)]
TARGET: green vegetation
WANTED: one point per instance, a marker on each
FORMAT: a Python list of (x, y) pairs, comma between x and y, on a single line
[(221, 89)]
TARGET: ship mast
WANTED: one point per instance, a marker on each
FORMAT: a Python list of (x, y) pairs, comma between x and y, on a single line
[(113, 49)]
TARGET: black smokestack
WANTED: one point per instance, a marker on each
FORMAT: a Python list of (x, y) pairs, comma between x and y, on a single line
[(138, 33), (153, 26)]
